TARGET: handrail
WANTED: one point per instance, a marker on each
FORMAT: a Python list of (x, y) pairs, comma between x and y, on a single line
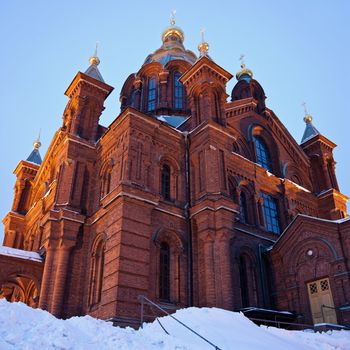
[(142, 299)]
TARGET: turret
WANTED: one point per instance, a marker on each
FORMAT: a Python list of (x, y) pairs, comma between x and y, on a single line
[(87, 93), (205, 83), (332, 204)]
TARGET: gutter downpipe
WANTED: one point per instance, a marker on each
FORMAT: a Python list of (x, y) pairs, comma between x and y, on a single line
[(188, 220)]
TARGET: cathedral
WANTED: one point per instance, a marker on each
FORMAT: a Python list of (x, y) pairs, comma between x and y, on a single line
[(191, 197)]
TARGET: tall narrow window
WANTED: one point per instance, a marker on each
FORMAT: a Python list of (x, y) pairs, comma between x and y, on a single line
[(164, 272), (132, 98), (96, 280), (106, 183), (243, 276), (151, 104), (262, 153), (243, 207), (178, 91), (271, 214), (166, 182)]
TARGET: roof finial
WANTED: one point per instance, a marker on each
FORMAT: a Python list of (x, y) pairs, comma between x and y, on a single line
[(307, 116), (94, 60), (241, 58), (37, 143), (244, 73), (172, 17), (203, 47)]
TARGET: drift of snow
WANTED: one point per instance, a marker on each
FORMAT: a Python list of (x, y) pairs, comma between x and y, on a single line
[(22, 327)]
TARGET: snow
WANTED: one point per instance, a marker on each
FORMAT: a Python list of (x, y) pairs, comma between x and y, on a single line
[(19, 253), (298, 186), (25, 328)]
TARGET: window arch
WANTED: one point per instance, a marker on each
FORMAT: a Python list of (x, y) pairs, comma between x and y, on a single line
[(165, 186), (151, 101), (164, 272), (178, 91), (96, 279), (262, 153)]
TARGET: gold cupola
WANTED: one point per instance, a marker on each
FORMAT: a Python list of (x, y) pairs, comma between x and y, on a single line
[(173, 32)]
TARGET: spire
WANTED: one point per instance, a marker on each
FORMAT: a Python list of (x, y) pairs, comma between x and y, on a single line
[(34, 156), (244, 73), (93, 71), (310, 130), (203, 47)]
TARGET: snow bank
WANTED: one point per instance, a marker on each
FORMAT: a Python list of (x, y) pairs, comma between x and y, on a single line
[(24, 328)]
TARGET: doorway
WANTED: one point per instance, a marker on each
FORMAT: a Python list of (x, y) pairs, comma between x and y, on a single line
[(321, 301)]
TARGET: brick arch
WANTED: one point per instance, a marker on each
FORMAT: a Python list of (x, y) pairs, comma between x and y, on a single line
[(11, 271), (296, 254)]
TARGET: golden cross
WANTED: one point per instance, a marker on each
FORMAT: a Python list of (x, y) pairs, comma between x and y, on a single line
[(202, 34), (305, 109), (241, 58), (172, 17)]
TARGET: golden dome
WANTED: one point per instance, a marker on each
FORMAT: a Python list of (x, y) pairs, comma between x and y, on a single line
[(203, 48), (37, 144), (307, 118), (244, 71), (173, 31), (94, 60)]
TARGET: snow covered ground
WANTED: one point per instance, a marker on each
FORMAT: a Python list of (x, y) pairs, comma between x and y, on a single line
[(24, 328)]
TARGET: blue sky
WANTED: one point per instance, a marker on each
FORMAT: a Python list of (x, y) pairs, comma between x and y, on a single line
[(298, 51)]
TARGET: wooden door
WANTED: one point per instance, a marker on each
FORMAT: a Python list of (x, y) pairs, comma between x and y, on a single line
[(321, 301)]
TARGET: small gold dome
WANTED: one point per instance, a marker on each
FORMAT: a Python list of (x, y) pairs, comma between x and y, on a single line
[(203, 48), (37, 144), (173, 31), (94, 60), (307, 119), (244, 71)]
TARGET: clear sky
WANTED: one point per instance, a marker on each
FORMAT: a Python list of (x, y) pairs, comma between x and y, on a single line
[(298, 50)]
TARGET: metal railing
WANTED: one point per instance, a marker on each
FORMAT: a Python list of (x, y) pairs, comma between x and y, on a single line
[(144, 300)]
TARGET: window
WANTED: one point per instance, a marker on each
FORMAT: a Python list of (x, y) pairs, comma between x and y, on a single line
[(106, 183), (262, 153), (178, 91), (166, 182), (132, 98), (96, 279), (271, 214), (243, 276), (243, 207), (164, 272), (151, 106)]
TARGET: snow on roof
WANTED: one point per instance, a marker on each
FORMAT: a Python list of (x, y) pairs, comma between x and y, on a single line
[(19, 253), (22, 327)]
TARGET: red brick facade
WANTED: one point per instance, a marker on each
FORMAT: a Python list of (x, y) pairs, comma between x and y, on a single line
[(178, 213)]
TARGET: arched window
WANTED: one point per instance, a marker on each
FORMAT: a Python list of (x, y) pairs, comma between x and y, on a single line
[(243, 207), (164, 272), (262, 153), (151, 102), (96, 279), (166, 182), (178, 91)]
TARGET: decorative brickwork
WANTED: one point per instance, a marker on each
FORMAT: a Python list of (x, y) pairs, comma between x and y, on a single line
[(185, 198)]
